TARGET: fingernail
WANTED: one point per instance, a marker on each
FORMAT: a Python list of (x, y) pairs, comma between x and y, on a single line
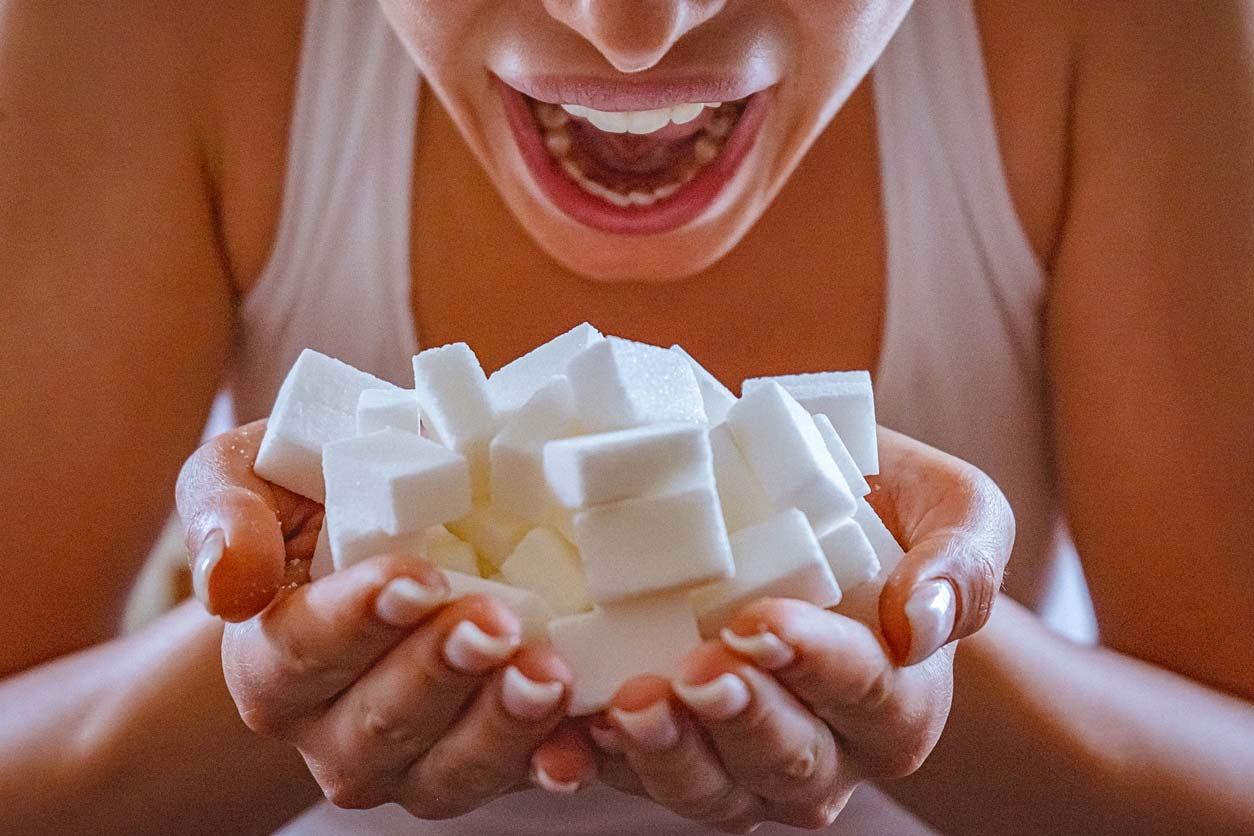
[(548, 783), (653, 727), (526, 699), (403, 602), (206, 561), (470, 650), (930, 611), (722, 698), (767, 650), (606, 738)]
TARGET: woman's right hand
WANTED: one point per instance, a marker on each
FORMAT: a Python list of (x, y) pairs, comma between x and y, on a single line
[(390, 692)]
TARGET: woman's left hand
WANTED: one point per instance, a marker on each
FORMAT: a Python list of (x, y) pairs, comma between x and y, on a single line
[(782, 718)]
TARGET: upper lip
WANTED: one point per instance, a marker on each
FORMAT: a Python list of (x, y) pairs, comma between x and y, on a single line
[(637, 94)]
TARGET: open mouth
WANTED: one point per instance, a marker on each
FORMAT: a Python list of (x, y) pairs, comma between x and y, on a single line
[(634, 172)]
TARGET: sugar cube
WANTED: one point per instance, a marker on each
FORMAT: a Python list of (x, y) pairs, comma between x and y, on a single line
[(446, 550), (786, 452), (398, 482), (619, 384), (887, 550), (596, 469), (844, 397), (353, 539), (453, 395), (779, 558), (493, 533), (513, 384), (549, 566), (849, 553), (530, 608), (316, 405), (640, 546), (840, 454), (716, 397), (517, 453), (614, 643), (743, 501), (381, 409)]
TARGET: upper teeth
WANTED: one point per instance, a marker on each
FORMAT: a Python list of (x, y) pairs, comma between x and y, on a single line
[(639, 121)]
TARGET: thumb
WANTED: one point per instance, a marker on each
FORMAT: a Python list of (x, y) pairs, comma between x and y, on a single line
[(238, 526)]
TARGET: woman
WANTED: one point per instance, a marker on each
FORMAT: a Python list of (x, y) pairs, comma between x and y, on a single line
[(992, 205)]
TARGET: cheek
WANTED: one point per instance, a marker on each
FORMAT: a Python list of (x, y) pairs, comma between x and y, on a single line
[(435, 32)]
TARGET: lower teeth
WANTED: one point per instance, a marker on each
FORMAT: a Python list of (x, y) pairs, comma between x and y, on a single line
[(709, 143)]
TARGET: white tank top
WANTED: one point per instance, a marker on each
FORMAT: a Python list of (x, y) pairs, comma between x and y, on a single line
[(960, 367)]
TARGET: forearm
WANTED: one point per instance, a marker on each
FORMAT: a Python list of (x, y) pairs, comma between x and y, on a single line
[(140, 736), (1049, 737)]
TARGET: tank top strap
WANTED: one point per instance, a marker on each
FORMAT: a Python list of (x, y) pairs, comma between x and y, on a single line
[(338, 274)]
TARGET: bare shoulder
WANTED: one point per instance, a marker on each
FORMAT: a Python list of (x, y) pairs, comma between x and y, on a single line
[(1150, 361), (116, 322)]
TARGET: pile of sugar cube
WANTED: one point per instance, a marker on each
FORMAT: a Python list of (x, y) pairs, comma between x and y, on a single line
[(614, 495)]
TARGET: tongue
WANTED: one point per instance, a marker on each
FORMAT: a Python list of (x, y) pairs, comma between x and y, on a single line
[(638, 153), (632, 153)]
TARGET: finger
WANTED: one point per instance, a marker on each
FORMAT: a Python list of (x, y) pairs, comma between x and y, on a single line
[(360, 748), (676, 767), (240, 530), (566, 760), (317, 639), (489, 748), (960, 531), (770, 743), (888, 718)]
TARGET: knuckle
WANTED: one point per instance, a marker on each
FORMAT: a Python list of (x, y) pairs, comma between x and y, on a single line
[(811, 816)]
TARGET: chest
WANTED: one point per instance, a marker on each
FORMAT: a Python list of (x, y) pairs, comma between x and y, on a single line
[(804, 290)]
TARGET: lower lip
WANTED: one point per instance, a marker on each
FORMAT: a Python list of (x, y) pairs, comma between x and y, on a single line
[(667, 214)]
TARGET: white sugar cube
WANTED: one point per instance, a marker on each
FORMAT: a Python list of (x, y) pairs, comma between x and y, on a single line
[(453, 395), (619, 384), (493, 533), (610, 645), (353, 540), (323, 563), (840, 454), (381, 409), (641, 546), (446, 550), (740, 494), (846, 398), (549, 566), (590, 470), (786, 452), (517, 453), (779, 558), (849, 553), (316, 405), (398, 482), (530, 608), (716, 397), (515, 383), (887, 550)]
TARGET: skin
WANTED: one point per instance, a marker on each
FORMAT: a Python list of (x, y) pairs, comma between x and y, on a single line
[(143, 191)]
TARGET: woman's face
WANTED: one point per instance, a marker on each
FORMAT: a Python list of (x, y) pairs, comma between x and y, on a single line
[(641, 139)]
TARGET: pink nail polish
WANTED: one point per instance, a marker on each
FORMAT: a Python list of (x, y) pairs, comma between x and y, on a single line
[(526, 699), (767, 650), (548, 783), (722, 698), (470, 650), (207, 559), (931, 611), (653, 727), (403, 602)]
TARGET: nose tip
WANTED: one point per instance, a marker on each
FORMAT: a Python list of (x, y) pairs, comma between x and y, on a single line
[(633, 35)]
